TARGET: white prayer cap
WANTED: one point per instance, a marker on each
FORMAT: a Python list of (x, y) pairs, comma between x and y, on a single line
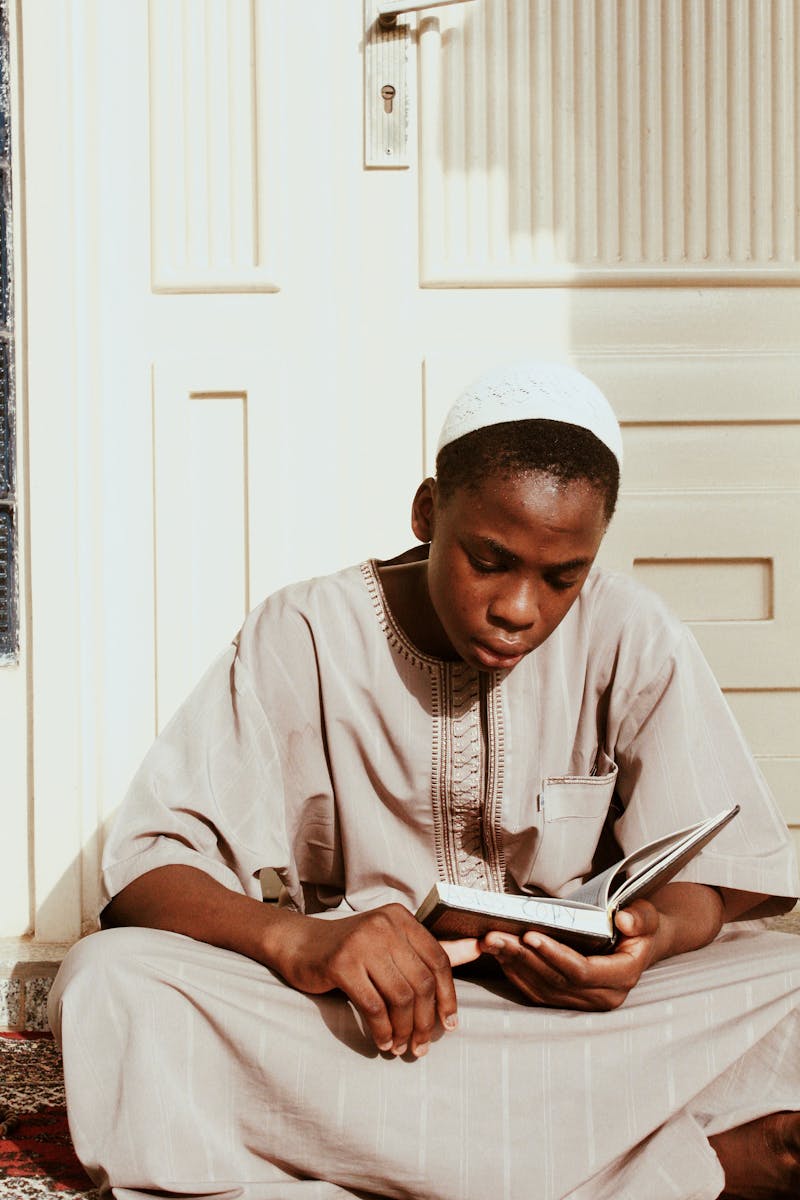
[(525, 391)]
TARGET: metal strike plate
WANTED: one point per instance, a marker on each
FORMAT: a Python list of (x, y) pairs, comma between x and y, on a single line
[(385, 90), (389, 10)]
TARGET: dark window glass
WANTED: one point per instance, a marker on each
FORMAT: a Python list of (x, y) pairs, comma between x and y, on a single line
[(9, 638), (8, 616), (6, 462)]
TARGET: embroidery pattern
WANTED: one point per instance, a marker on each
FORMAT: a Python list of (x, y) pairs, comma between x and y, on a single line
[(495, 776), (461, 790), (467, 757), (397, 639)]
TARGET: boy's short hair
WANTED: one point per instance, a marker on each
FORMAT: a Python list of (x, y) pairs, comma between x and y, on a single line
[(565, 452)]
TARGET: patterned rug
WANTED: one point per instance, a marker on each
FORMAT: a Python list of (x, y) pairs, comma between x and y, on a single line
[(36, 1154)]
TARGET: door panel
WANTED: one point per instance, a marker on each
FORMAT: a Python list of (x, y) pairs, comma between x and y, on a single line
[(264, 334), (625, 141), (216, 93)]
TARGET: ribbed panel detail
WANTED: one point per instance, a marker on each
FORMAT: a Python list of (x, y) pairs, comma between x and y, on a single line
[(611, 140), (208, 83)]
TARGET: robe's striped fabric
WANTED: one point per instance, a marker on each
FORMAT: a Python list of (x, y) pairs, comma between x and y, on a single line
[(325, 745)]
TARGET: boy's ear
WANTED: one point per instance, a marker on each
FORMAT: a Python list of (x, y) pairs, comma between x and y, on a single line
[(423, 510)]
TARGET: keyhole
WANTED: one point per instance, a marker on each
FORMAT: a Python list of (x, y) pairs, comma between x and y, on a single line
[(388, 92)]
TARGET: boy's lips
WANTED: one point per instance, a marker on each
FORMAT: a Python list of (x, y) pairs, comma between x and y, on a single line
[(499, 656)]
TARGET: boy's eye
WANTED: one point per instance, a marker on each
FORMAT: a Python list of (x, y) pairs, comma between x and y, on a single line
[(562, 585), (479, 564)]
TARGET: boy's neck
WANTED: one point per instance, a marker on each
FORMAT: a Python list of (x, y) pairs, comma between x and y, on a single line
[(405, 587)]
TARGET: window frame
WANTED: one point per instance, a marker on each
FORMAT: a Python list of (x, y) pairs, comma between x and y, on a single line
[(9, 540)]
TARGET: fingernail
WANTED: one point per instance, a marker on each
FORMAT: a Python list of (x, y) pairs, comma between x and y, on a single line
[(498, 946), (398, 1050), (421, 1051), (532, 941), (384, 1046), (451, 1021)]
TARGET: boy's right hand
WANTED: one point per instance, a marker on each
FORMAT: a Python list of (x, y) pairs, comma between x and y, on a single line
[(392, 969)]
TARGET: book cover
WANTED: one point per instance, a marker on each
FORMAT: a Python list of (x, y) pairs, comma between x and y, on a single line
[(584, 920)]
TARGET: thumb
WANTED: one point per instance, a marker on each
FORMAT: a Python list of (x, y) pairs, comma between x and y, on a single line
[(640, 920), (461, 950)]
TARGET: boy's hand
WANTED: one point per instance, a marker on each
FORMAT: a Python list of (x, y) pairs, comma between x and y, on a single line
[(556, 976), (677, 918), (461, 950), (390, 967)]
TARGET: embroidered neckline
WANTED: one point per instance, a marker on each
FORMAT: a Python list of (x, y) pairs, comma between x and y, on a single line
[(396, 636), (466, 775)]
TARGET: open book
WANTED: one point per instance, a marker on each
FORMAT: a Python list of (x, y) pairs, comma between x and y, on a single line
[(584, 920)]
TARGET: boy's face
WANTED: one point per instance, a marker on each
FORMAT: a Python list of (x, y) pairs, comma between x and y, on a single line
[(507, 561)]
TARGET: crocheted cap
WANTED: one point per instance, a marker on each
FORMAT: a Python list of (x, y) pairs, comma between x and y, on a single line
[(533, 391)]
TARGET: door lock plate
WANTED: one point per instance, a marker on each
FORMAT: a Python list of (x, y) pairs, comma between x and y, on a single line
[(385, 90)]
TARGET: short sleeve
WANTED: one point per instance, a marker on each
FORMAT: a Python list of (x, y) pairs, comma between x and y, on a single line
[(209, 793), (682, 757)]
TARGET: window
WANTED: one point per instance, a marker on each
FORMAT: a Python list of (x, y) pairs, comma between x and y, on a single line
[(9, 629)]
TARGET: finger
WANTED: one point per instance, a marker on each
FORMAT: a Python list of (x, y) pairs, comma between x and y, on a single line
[(461, 950), (430, 974), (399, 997), (571, 971), (579, 998), (621, 970), (538, 992), (371, 1008), (569, 963), (594, 984), (424, 1013), (436, 959), (542, 984), (524, 961), (639, 920), (412, 991)]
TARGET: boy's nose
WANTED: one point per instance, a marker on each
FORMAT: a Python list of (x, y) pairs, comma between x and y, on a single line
[(516, 607)]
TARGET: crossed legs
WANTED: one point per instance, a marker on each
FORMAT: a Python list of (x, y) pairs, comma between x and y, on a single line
[(761, 1159)]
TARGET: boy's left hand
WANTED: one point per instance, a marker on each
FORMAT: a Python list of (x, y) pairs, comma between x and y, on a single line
[(556, 976)]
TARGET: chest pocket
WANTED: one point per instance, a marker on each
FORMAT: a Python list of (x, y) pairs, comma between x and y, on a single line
[(573, 812)]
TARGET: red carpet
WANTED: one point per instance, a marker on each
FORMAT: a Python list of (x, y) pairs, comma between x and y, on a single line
[(36, 1154)]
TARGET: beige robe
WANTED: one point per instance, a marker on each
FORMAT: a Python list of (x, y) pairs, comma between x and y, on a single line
[(324, 745)]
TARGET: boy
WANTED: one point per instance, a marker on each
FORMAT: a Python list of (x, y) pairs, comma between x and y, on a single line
[(472, 711)]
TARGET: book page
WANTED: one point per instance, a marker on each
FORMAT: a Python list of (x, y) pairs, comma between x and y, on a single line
[(595, 891), (652, 866)]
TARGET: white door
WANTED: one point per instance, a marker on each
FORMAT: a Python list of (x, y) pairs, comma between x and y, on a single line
[(241, 338)]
